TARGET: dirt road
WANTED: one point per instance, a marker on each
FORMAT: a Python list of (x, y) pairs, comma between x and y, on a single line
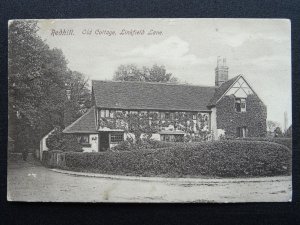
[(33, 182)]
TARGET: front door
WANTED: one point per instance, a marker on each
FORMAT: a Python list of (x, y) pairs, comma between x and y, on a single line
[(103, 141)]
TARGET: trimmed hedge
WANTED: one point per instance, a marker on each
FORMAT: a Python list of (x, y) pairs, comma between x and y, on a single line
[(282, 141), (145, 144), (211, 159)]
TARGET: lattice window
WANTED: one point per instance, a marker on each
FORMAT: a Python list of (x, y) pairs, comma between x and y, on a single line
[(116, 137), (84, 139)]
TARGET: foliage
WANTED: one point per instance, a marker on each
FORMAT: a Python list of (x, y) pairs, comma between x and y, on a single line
[(278, 132), (123, 146), (133, 73), (63, 142), (254, 118), (37, 76), (271, 125), (144, 144), (282, 140), (147, 123), (212, 159)]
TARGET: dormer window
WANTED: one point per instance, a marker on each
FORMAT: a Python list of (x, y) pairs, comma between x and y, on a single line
[(240, 104)]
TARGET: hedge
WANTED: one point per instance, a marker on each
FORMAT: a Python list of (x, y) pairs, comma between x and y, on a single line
[(206, 159), (145, 144), (283, 141)]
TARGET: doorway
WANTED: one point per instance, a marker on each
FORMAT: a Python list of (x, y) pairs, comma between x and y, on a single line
[(103, 141)]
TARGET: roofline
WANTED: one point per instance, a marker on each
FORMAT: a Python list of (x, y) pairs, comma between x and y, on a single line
[(159, 83), (81, 132), (65, 130), (252, 90), (153, 109), (236, 78)]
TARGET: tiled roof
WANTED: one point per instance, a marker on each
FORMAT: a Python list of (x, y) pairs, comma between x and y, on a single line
[(84, 124), (156, 96), (221, 90)]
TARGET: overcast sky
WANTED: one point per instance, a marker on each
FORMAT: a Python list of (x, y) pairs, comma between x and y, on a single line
[(188, 48)]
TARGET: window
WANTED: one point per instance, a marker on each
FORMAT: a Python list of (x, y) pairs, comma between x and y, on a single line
[(116, 137), (102, 113), (112, 113), (241, 132), (172, 137), (194, 116), (162, 115), (84, 139), (107, 113), (133, 112), (240, 105)]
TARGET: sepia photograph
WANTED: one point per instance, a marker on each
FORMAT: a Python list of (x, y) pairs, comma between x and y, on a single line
[(149, 110)]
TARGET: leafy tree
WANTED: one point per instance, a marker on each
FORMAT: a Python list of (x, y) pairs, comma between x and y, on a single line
[(60, 141), (271, 125), (278, 132), (37, 77), (133, 73), (128, 73)]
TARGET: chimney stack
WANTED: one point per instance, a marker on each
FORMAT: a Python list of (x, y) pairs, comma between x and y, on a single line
[(221, 72)]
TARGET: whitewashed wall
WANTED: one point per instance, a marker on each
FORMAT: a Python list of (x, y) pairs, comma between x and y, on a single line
[(213, 122), (93, 139), (43, 146)]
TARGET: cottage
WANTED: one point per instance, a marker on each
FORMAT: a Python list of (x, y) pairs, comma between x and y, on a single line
[(176, 111)]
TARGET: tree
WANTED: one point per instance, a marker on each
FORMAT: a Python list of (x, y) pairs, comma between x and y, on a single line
[(133, 73), (271, 125), (278, 132), (59, 141), (80, 97), (37, 76)]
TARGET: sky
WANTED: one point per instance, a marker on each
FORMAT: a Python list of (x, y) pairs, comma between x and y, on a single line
[(259, 49)]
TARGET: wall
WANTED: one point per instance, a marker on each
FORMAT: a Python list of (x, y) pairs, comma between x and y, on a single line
[(254, 118), (93, 138), (43, 146), (213, 122)]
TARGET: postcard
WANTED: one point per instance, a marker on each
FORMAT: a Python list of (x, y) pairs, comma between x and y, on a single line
[(149, 110)]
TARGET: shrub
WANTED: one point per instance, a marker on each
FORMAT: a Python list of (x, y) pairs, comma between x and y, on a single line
[(213, 159), (63, 142), (283, 141), (123, 146), (144, 144)]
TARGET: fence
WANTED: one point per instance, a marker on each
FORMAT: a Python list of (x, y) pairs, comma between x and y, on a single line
[(54, 158)]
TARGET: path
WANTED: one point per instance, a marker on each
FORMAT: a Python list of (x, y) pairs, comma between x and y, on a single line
[(33, 182)]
